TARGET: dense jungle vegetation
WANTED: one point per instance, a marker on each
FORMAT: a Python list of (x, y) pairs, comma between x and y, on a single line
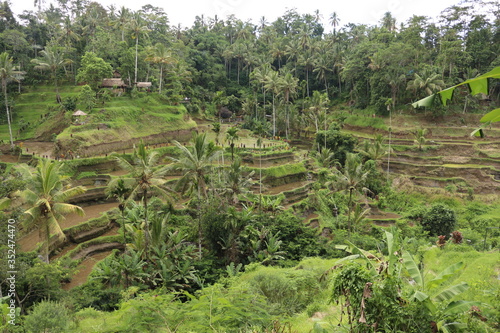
[(248, 177)]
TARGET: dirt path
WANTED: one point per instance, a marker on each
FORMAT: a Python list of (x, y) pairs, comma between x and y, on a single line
[(40, 148), (84, 269)]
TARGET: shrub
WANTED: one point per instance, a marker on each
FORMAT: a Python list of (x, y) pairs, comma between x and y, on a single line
[(47, 316), (439, 220)]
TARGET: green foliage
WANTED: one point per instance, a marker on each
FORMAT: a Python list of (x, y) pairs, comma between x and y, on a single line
[(93, 69), (439, 220), (366, 121), (94, 294), (286, 291), (47, 316), (339, 143)]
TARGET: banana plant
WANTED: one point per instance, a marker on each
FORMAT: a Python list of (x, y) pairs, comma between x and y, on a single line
[(438, 303)]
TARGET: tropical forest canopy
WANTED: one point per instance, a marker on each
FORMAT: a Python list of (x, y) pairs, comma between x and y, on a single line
[(228, 61)]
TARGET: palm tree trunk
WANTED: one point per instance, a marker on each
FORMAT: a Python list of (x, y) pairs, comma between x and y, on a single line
[(349, 214), (274, 120), (136, 48), (307, 80), (4, 88), (146, 223), (200, 234), (161, 78)]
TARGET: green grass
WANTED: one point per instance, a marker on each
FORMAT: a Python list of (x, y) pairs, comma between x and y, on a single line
[(125, 116), (30, 105), (282, 170), (479, 271), (362, 121)]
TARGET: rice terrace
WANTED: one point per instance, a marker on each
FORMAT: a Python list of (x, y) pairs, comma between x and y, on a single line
[(300, 174)]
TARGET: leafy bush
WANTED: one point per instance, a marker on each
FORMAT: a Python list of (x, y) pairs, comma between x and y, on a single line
[(338, 142), (439, 220), (47, 316), (287, 291)]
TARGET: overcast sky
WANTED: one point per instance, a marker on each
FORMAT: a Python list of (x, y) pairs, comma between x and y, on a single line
[(350, 11)]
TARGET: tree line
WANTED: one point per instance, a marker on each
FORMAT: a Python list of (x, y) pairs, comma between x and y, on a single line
[(268, 70)]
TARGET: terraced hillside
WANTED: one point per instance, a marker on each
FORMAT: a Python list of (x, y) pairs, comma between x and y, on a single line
[(449, 160)]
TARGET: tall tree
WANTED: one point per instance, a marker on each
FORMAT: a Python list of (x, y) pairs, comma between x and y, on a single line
[(6, 73), (273, 85), (351, 179), (138, 28), (47, 199), (232, 136), (160, 54), (195, 162), (145, 177), (53, 58), (288, 87), (93, 69)]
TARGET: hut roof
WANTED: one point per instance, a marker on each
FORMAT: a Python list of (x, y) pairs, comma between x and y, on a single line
[(109, 83), (79, 113), (143, 84)]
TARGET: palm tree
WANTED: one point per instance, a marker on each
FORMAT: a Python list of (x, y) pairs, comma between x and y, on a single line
[(419, 136), (318, 109), (427, 83), (122, 21), (6, 73), (351, 179), (120, 191), (144, 177), (52, 60), (237, 183), (216, 130), (232, 136), (322, 67), (137, 27), (47, 197), (288, 86), (159, 54), (307, 59), (195, 162), (375, 150), (334, 21), (273, 85)]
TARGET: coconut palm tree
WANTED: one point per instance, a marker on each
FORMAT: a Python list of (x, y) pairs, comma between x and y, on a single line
[(238, 181), (6, 74), (273, 85), (144, 177), (231, 137), (427, 83), (334, 21), (195, 162), (122, 20), (137, 27), (159, 54), (120, 192), (351, 179), (47, 199), (375, 150), (52, 59), (216, 130), (288, 86)]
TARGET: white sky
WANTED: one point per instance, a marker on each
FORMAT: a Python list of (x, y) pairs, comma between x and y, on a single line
[(350, 11)]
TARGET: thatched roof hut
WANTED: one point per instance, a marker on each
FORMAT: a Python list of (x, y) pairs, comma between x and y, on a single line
[(143, 84), (110, 83)]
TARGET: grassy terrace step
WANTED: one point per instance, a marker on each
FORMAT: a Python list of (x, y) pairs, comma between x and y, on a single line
[(30, 105), (99, 244), (282, 174)]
